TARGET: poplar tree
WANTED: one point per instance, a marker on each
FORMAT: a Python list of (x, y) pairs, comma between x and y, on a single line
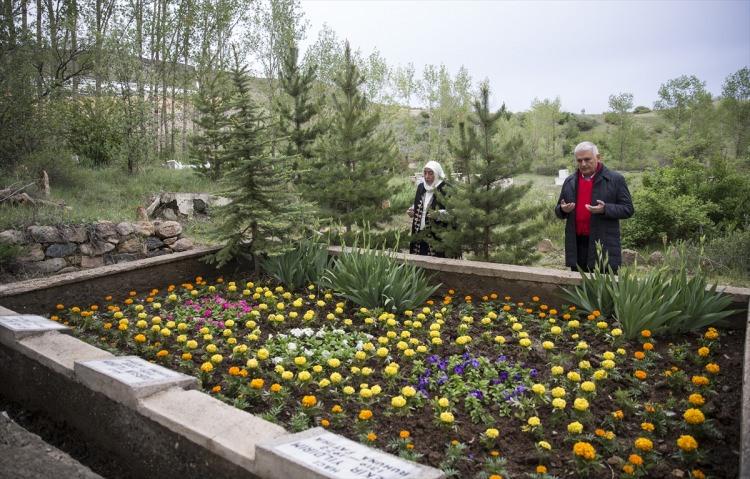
[(264, 206), (354, 160), (487, 216)]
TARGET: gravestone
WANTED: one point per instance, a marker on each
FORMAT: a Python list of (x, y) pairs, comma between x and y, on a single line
[(319, 454), (128, 378), (16, 327), (561, 175)]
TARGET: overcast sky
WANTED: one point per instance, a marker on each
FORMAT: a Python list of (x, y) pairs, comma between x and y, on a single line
[(581, 51)]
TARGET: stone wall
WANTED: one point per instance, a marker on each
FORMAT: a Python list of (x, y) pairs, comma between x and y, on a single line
[(67, 248)]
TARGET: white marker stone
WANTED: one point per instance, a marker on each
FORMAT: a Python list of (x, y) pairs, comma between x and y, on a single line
[(319, 454), (16, 327), (129, 378)]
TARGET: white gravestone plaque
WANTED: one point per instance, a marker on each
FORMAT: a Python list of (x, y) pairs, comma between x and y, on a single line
[(20, 326), (129, 378), (133, 371), (340, 458)]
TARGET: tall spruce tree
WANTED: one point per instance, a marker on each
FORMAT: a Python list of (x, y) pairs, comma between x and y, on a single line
[(212, 106), (487, 216), (297, 109), (264, 206), (354, 159), (462, 149)]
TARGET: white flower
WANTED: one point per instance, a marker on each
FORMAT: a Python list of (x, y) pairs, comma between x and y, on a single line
[(277, 360), (291, 346)]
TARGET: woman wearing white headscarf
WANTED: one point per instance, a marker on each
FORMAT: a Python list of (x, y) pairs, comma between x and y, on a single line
[(429, 199)]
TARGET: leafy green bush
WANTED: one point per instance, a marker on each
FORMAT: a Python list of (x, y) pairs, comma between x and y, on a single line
[(8, 254), (593, 293), (660, 213), (641, 109), (730, 253), (94, 130), (298, 267), (374, 279), (699, 307)]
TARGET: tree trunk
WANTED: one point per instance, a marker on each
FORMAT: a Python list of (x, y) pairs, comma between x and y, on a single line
[(73, 12), (9, 21)]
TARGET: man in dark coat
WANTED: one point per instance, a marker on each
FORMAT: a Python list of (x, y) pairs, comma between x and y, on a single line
[(593, 200)]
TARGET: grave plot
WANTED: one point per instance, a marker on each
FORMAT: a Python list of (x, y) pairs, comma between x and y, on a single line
[(487, 387)]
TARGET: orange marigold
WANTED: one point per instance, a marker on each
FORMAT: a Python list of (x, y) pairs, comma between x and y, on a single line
[(713, 368), (309, 401), (404, 434), (635, 459), (541, 469), (639, 355), (640, 374), (275, 387), (648, 346), (258, 383), (372, 436), (700, 380), (584, 450), (687, 443), (365, 414)]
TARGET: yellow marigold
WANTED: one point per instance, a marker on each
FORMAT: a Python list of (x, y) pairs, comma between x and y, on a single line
[(694, 416), (446, 417), (713, 368), (139, 338), (258, 383), (275, 387), (492, 433), (575, 427), (697, 473), (703, 352), (207, 367), (647, 426), (644, 444), (635, 459), (365, 414), (404, 434), (372, 436), (309, 401), (580, 404), (700, 380), (541, 469), (325, 422), (187, 356), (162, 353), (584, 450), (687, 443), (696, 399), (711, 334), (545, 445), (398, 401), (534, 421)]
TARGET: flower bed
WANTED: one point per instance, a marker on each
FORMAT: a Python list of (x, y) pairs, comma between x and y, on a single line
[(479, 387)]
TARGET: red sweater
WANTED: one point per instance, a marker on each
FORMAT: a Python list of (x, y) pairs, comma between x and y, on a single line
[(583, 198)]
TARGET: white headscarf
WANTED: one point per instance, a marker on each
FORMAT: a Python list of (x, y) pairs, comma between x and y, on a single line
[(439, 175)]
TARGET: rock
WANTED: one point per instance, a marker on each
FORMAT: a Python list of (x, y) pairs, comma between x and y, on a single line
[(121, 258), (157, 252), (33, 252), (60, 250), (171, 241), (132, 244), (678, 473), (105, 229), (113, 239), (44, 234), (68, 269), (45, 267), (169, 214), (545, 246), (200, 206), (167, 229), (629, 256), (656, 258), (88, 262), (182, 244), (125, 228), (74, 260), (153, 243), (12, 237), (74, 234), (96, 248), (140, 214), (144, 228), (615, 461)]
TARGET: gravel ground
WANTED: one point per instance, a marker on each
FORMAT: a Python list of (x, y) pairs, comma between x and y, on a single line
[(25, 455)]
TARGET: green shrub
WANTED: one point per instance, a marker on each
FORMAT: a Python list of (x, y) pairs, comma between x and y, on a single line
[(8, 254), (375, 279), (698, 306), (641, 109), (94, 130), (730, 253), (660, 214), (305, 263), (594, 292)]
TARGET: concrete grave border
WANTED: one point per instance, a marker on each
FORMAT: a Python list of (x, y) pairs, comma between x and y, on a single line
[(42, 370)]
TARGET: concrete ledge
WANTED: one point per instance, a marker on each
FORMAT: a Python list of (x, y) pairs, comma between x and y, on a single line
[(745, 413), (319, 454), (89, 286), (59, 352), (127, 379), (6, 312), (223, 429)]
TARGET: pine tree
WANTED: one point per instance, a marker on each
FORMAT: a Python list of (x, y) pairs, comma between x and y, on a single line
[(462, 150), (297, 109), (354, 160), (488, 217), (206, 147), (264, 206)]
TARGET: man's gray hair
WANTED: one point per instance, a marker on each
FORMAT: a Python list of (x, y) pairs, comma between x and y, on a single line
[(586, 146)]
